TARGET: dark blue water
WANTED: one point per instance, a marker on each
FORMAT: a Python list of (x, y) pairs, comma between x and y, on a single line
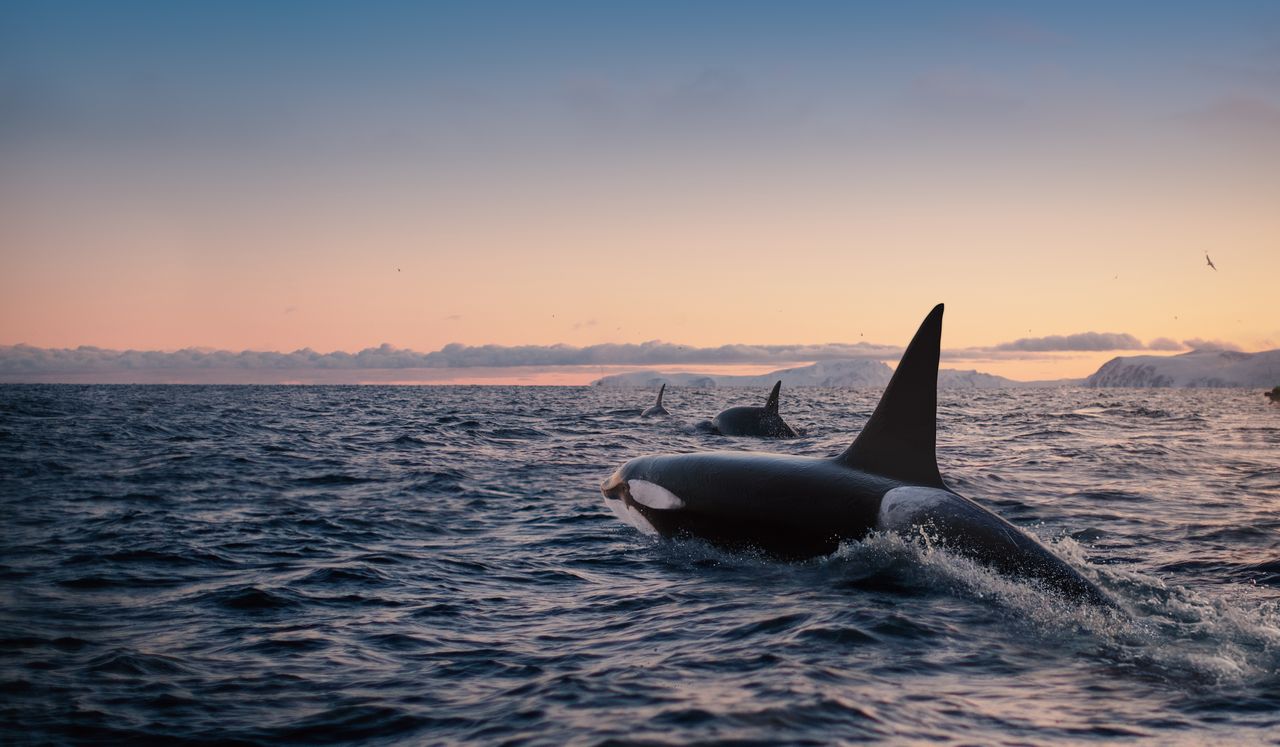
[(436, 564)]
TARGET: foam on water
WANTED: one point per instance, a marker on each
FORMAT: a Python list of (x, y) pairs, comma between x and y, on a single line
[(1226, 637)]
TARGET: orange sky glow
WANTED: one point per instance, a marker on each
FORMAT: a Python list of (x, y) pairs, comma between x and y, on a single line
[(716, 197)]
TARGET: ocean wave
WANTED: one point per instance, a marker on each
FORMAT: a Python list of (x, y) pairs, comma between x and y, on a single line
[(436, 565)]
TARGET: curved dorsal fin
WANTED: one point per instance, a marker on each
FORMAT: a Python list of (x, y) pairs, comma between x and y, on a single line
[(660, 391), (899, 439), (771, 405)]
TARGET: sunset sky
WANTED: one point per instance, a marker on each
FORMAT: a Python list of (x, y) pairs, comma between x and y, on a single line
[(335, 176)]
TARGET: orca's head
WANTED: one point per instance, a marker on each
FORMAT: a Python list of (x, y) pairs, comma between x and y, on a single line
[(635, 493)]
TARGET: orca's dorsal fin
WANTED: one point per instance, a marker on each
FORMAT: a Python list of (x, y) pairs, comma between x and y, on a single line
[(899, 439), (771, 405), (662, 389)]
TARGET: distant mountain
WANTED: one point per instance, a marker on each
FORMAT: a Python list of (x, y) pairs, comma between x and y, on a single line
[(950, 378), (849, 373), (1199, 368), (837, 374)]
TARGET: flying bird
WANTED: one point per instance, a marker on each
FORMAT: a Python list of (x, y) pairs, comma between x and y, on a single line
[(1210, 262)]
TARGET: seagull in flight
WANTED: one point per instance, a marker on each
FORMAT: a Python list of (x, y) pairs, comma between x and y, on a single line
[(1210, 262)]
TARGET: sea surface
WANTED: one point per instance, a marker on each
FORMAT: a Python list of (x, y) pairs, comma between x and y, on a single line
[(433, 565)]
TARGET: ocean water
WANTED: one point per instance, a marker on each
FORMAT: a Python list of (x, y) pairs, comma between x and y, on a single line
[(436, 565)]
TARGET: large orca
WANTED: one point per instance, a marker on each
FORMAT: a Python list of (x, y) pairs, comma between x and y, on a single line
[(657, 408), (798, 507), (754, 421)]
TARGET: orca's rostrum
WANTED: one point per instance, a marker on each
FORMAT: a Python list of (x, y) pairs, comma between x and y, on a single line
[(798, 507)]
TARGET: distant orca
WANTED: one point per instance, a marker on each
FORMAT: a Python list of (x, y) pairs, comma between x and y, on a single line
[(754, 421), (657, 408), (798, 507)]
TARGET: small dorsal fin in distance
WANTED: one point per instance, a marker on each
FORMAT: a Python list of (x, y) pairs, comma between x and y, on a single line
[(662, 389), (771, 405), (899, 440)]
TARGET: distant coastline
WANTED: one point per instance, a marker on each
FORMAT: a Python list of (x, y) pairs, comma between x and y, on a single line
[(1210, 369), (1198, 368), (827, 374)]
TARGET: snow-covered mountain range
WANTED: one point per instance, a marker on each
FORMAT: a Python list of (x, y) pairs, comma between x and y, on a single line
[(1198, 368), (848, 373)]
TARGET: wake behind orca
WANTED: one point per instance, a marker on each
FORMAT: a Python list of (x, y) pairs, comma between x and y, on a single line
[(798, 507)]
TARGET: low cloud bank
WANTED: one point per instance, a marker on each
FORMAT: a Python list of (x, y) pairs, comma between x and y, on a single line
[(26, 358), (1213, 346), (19, 359), (650, 353), (1085, 341)]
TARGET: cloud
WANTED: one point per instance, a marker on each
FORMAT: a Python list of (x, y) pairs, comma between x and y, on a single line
[(1199, 344), (1021, 32), (711, 93), (648, 353), (709, 96), (29, 359), (700, 107), (1238, 113), (19, 359), (1250, 68), (25, 358), (963, 92), (594, 102), (1084, 341)]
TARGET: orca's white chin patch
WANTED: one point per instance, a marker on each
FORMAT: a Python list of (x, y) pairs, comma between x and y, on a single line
[(654, 496), (903, 507), (631, 515)]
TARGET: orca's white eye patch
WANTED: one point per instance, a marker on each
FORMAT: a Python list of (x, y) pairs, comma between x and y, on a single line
[(653, 495)]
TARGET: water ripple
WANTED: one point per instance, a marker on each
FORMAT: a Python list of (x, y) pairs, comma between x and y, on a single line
[(434, 565)]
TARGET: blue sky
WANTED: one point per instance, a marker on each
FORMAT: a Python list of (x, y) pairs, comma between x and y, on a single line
[(246, 175)]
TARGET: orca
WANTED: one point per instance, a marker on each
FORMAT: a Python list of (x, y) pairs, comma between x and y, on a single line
[(754, 421), (795, 507), (657, 408)]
